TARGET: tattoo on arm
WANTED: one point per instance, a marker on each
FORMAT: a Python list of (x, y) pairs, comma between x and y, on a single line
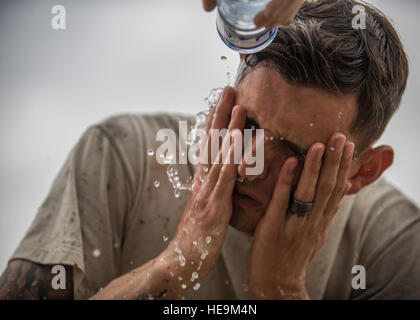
[(25, 280)]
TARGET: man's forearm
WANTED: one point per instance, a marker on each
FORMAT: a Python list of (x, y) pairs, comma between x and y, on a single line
[(157, 279), (282, 292)]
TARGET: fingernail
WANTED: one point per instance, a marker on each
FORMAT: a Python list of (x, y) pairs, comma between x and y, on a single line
[(320, 153), (339, 143), (223, 93), (348, 153), (234, 111), (292, 167)]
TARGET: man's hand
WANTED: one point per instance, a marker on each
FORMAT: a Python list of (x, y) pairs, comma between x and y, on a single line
[(276, 13), (283, 243), (202, 230)]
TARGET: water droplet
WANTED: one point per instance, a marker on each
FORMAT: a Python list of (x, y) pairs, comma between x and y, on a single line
[(131, 262), (206, 169), (196, 286), (271, 138), (199, 265), (311, 124), (194, 243), (223, 58), (150, 152), (183, 286), (208, 239), (182, 261), (201, 179), (281, 138), (171, 274), (157, 183), (165, 238), (332, 148), (194, 275), (177, 193), (179, 278), (96, 253), (204, 254)]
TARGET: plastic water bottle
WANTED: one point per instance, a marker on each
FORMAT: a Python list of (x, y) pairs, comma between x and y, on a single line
[(236, 28)]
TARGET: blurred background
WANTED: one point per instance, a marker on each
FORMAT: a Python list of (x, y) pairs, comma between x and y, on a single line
[(129, 56)]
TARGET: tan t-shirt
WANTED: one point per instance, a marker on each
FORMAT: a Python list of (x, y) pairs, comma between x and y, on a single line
[(104, 216)]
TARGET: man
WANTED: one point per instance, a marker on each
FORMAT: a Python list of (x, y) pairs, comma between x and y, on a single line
[(323, 92)]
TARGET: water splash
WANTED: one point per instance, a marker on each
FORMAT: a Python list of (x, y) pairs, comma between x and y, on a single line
[(204, 254), (96, 253), (173, 172), (194, 276)]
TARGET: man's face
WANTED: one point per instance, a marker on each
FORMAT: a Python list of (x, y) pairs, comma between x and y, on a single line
[(296, 118)]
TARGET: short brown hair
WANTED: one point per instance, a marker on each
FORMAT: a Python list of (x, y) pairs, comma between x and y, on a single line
[(321, 49)]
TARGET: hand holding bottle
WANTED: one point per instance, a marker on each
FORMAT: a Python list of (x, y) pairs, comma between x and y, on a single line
[(276, 13)]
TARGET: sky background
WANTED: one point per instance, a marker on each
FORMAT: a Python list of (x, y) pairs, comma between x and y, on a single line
[(129, 56)]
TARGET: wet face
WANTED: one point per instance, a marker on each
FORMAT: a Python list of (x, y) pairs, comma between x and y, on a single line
[(296, 118)]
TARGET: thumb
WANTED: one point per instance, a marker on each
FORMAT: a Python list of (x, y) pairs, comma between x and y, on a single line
[(209, 5)]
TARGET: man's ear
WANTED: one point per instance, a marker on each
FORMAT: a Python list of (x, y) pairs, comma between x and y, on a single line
[(373, 162)]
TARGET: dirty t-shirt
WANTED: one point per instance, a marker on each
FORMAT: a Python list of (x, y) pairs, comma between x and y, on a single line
[(104, 216)]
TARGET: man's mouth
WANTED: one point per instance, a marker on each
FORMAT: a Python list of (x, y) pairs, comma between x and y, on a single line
[(246, 198)]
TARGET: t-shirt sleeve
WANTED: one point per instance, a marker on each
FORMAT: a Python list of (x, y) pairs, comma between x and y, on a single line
[(81, 221), (390, 253)]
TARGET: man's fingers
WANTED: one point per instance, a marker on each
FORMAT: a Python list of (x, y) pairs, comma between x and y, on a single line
[(209, 5), (275, 216), (224, 108), (305, 190), (328, 176), (235, 131), (341, 184), (277, 13), (261, 19)]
